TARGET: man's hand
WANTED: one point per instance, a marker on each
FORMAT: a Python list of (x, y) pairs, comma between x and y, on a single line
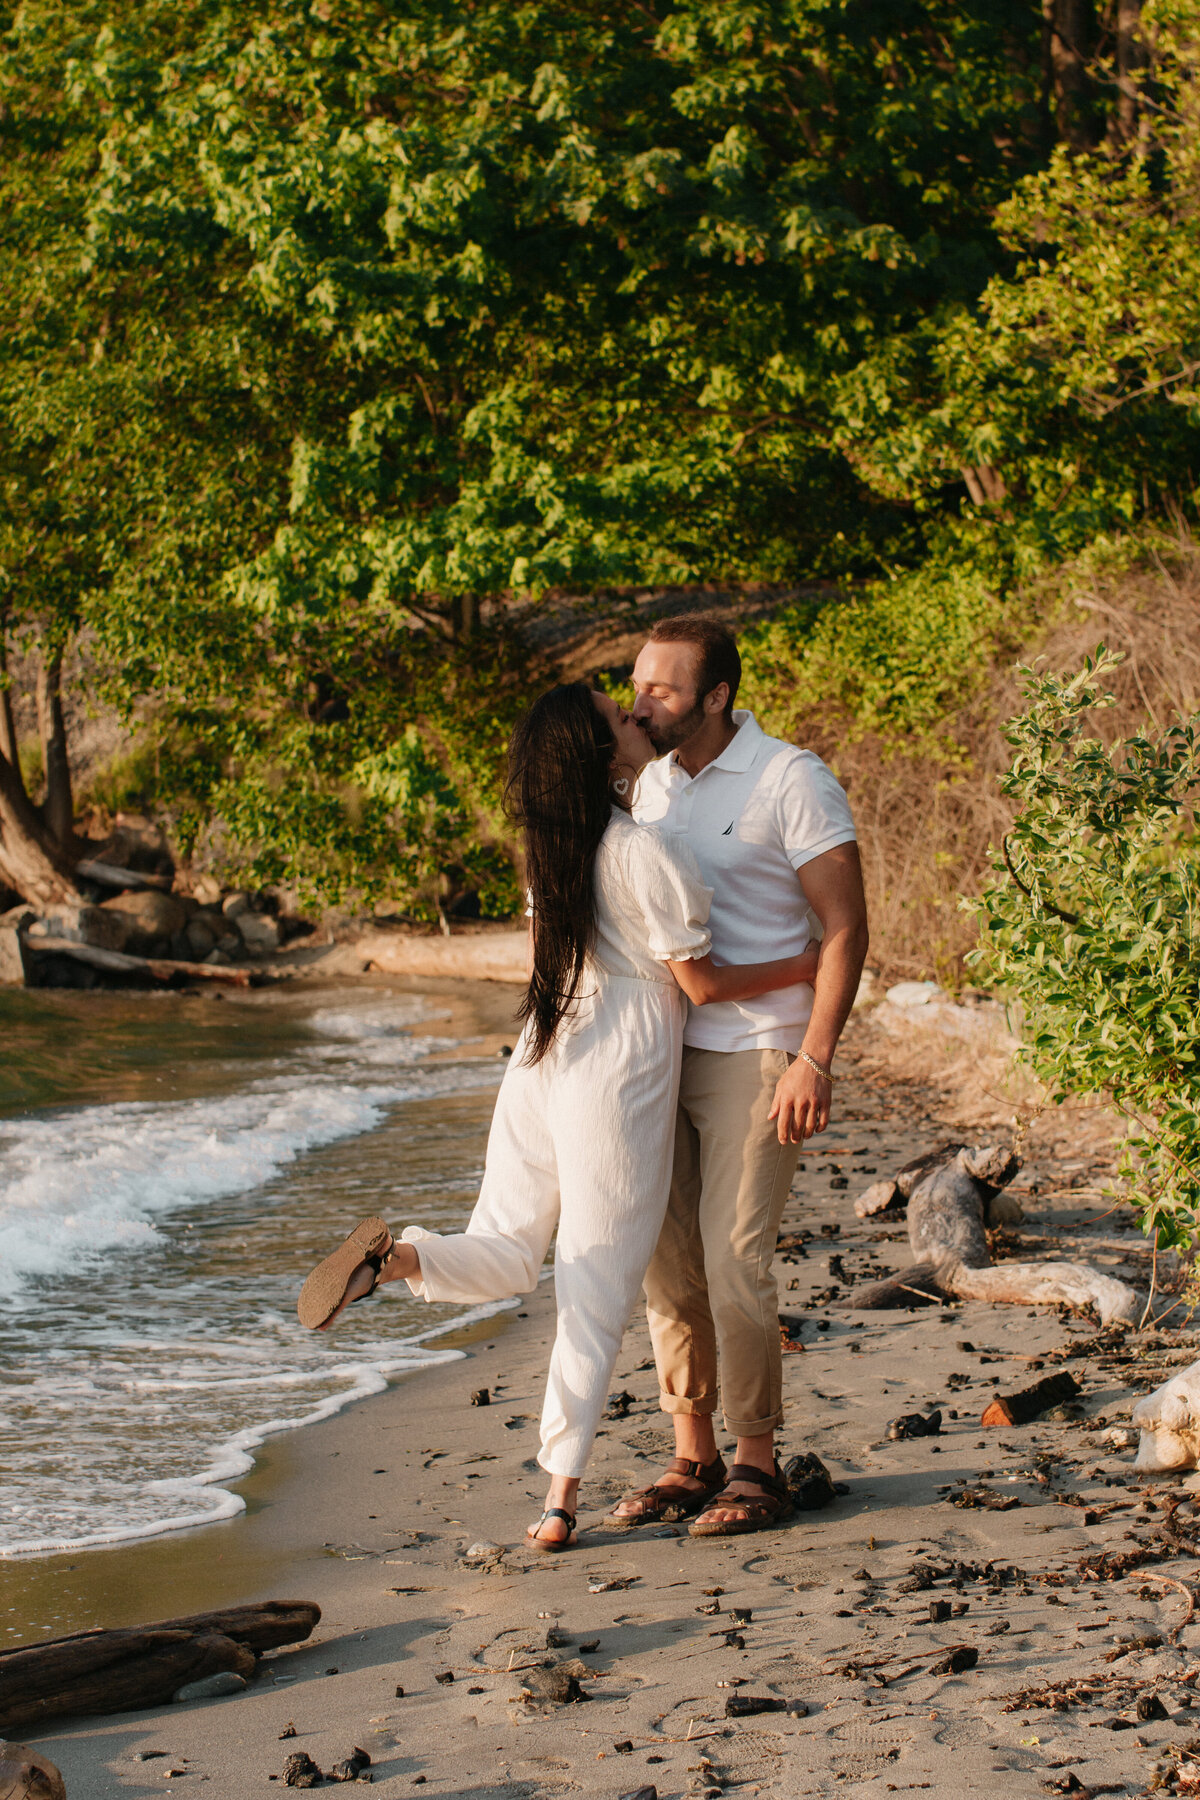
[(801, 1103)]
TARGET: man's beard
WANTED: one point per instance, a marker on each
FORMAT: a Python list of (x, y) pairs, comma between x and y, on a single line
[(669, 737)]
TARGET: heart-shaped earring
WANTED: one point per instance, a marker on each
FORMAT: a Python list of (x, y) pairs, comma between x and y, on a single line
[(621, 786)]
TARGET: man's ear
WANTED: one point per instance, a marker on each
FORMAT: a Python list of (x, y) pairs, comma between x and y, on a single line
[(718, 699)]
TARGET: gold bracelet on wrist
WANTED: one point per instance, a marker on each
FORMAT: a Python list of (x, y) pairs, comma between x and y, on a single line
[(825, 1074)]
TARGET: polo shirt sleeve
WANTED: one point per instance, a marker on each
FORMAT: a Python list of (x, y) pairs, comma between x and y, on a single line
[(665, 883), (814, 813)]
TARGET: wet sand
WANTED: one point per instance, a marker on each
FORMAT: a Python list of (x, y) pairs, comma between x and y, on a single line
[(372, 1515)]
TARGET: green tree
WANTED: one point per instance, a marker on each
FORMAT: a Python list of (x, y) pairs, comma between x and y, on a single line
[(343, 327)]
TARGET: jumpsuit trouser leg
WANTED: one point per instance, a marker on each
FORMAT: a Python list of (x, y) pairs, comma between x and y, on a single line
[(582, 1140)]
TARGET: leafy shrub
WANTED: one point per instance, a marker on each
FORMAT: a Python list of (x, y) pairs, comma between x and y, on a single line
[(1091, 923)]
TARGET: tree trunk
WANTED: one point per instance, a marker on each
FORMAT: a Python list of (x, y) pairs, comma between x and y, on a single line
[(8, 725), (465, 615), (30, 859), (1131, 60), (1067, 38), (58, 807)]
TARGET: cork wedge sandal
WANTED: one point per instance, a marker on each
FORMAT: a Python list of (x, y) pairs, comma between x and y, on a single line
[(325, 1290)]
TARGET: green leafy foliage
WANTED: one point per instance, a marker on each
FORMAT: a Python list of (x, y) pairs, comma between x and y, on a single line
[(328, 328), (1092, 923)]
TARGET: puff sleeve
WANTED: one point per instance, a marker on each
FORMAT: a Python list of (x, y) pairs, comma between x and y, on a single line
[(666, 887)]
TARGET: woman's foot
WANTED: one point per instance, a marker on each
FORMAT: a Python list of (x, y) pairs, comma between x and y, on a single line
[(555, 1530)]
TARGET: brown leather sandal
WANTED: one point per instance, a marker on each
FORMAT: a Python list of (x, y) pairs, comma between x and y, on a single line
[(774, 1504), (671, 1503)]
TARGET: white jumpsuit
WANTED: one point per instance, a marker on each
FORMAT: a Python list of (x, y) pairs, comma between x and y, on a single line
[(584, 1139)]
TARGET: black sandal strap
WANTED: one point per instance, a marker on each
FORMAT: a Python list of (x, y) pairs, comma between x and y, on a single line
[(555, 1512)]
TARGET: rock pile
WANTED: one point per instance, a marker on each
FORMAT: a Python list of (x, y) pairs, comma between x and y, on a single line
[(136, 904)]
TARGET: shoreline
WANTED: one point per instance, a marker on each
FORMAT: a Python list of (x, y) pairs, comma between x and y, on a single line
[(371, 1514)]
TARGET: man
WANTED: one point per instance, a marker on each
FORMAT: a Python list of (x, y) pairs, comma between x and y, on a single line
[(771, 830)]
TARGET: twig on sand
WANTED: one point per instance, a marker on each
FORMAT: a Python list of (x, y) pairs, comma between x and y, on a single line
[(1188, 1593)]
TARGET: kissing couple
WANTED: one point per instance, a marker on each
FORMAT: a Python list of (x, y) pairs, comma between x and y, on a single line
[(678, 1033)]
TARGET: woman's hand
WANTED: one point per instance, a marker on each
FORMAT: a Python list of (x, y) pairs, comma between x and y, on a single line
[(704, 981)]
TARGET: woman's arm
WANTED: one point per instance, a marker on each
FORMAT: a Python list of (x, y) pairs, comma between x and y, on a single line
[(702, 980)]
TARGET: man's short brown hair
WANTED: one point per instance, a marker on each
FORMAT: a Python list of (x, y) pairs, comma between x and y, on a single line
[(718, 658)]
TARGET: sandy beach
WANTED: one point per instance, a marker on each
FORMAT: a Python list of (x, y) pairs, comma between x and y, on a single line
[(404, 1518)]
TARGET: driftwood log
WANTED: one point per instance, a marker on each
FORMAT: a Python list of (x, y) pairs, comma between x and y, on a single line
[(121, 1671), (1169, 1421), (158, 968), (26, 1774), (954, 1197)]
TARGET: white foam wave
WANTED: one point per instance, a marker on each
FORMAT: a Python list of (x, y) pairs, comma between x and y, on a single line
[(78, 1185), (205, 1497)]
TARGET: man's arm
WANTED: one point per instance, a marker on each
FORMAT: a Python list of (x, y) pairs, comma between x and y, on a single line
[(833, 888)]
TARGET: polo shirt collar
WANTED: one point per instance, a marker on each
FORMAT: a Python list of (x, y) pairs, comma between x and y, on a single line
[(737, 756)]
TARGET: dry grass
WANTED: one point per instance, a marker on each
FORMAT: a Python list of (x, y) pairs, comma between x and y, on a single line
[(926, 823)]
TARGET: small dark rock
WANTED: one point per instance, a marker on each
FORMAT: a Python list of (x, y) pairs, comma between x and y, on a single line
[(642, 1793), (958, 1661), (481, 1397), (745, 1706), (912, 1425), (352, 1767), (289, 1731), (618, 1406), (300, 1771), (399, 1693), (445, 1678), (808, 1482), (589, 1646), (625, 1747), (1151, 1707), (938, 1610), (740, 1615)]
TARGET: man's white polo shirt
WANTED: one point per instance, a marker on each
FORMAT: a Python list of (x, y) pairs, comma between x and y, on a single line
[(751, 818)]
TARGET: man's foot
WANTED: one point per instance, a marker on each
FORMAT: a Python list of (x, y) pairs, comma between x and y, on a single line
[(751, 1499), (680, 1491)]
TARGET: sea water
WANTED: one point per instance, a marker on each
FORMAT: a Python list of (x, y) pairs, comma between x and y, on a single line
[(170, 1168)]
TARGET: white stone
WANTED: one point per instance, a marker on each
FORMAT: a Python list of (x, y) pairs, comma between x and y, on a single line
[(234, 905), (1169, 1421), (212, 1687), (914, 993)]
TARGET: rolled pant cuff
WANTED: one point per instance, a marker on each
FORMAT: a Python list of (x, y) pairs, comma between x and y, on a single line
[(740, 1428), (682, 1403)]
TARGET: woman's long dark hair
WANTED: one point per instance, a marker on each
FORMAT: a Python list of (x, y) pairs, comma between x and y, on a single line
[(558, 793)]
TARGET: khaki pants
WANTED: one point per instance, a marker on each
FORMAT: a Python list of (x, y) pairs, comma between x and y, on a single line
[(709, 1288)]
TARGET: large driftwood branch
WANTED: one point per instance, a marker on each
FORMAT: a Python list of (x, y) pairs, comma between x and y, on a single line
[(1169, 1421), (121, 1671), (119, 962), (955, 1194)]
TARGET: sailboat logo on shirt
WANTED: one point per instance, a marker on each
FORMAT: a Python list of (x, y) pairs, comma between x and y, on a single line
[(727, 829)]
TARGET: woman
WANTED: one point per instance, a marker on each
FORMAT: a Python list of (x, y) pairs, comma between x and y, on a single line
[(584, 1124)]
